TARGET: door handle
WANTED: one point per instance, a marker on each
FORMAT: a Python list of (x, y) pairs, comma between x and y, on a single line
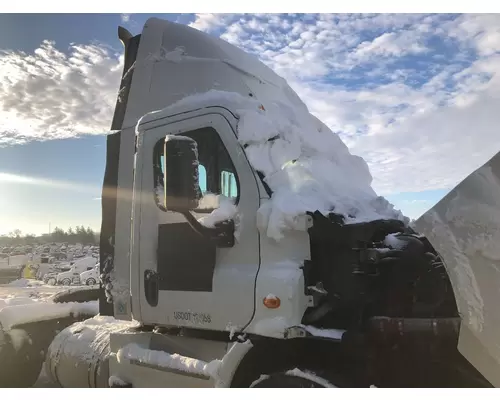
[(151, 287)]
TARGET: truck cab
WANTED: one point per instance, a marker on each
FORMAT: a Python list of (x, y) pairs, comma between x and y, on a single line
[(90, 277), (227, 283), (236, 276)]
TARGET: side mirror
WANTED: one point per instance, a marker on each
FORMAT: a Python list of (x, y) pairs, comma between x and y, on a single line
[(180, 155)]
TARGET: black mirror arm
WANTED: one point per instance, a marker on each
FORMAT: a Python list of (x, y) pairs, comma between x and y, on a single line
[(193, 222), (222, 235)]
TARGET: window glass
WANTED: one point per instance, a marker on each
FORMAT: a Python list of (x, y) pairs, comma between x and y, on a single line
[(216, 172), (202, 178), (228, 184)]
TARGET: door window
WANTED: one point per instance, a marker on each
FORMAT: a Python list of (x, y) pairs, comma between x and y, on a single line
[(216, 172)]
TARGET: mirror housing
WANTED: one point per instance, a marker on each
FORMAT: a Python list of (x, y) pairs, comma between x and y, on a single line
[(182, 192)]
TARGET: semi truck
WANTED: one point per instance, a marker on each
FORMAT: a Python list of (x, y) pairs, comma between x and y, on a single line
[(213, 275)]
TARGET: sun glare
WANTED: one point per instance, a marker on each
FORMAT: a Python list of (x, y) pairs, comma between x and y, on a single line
[(28, 180)]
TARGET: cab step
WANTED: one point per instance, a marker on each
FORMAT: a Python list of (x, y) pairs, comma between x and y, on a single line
[(166, 362)]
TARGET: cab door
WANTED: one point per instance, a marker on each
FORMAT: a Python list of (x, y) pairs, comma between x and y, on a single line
[(183, 280)]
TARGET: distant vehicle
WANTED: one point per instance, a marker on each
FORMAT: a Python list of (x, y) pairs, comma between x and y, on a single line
[(43, 266), (91, 276), (59, 255), (72, 276)]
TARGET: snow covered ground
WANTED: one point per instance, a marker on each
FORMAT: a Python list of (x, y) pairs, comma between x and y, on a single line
[(27, 300), (26, 291), (33, 294)]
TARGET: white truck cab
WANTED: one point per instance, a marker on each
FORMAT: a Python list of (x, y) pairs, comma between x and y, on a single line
[(218, 301), (91, 276), (72, 276)]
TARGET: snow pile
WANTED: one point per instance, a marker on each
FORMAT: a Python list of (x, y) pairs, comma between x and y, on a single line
[(305, 164), (261, 379), (23, 282), (394, 242), (307, 167), (115, 381), (17, 295), (310, 376), (335, 334), (167, 360), (24, 312), (209, 201), (232, 330), (225, 210), (15, 301), (18, 337)]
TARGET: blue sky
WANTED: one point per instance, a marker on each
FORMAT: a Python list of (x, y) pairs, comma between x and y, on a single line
[(416, 95)]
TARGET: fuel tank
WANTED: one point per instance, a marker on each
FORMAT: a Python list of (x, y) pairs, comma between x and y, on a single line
[(78, 357)]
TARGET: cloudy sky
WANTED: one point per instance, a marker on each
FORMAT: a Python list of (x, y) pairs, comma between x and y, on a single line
[(418, 96)]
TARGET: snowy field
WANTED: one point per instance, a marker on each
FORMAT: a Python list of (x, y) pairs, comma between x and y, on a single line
[(27, 300), (26, 291)]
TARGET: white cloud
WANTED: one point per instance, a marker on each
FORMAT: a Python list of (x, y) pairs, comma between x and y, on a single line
[(209, 22), (125, 17), (479, 30), (389, 44), (424, 127), (427, 146), (422, 114), (53, 95)]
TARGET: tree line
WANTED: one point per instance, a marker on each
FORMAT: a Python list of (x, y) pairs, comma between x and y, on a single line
[(79, 234)]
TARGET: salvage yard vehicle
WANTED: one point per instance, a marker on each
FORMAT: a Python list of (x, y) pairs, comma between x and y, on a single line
[(208, 283), (69, 273), (91, 276)]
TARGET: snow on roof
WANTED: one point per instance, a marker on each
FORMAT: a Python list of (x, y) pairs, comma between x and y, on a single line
[(305, 164)]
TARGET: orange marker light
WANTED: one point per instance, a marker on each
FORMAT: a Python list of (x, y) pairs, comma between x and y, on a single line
[(271, 301)]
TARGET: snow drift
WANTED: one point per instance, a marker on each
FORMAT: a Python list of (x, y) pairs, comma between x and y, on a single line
[(306, 165), (25, 312)]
